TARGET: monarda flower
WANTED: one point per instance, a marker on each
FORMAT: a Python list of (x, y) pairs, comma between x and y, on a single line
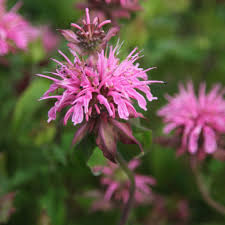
[(113, 9), (167, 209), (49, 39), (118, 184), (199, 121), (15, 31), (90, 36), (98, 94)]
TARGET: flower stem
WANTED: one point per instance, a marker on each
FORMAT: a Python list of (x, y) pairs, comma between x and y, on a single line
[(203, 189), (128, 206)]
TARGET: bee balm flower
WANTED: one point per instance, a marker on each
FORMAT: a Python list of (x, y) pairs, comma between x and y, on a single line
[(118, 184), (198, 120), (15, 31), (113, 9), (90, 37), (98, 94)]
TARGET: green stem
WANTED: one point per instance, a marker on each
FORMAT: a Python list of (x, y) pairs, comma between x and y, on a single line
[(203, 189), (128, 206)]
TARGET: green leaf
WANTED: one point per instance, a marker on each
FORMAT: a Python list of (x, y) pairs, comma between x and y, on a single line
[(83, 201), (45, 135), (129, 151), (59, 155), (54, 204), (145, 137), (161, 160), (84, 149), (36, 52), (96, 159), (3, 170), (28, 104)]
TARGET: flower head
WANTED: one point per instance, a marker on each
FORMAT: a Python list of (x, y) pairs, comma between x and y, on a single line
[(100, 93), (171, 208), (118, 184), (90, 36), (113, 9), (15, 31), (198, 120), (107, 87)]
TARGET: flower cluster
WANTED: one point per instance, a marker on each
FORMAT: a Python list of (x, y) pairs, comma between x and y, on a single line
[(99, 91), (198, 120), (90, 37), (118, 185), (15, 31)]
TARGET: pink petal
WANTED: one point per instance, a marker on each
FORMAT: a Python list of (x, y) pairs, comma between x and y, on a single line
[(78, 113), (110, 190), (194, 137), (104, 101), (210, 144), (81, 132), (133, 164)]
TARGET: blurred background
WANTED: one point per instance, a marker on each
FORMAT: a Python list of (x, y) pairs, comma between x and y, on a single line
[(44, 182)]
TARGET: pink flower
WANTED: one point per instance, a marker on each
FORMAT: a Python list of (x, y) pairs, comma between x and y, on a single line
[(90, 36), (15, 31), (198, 120), (109, 86), (99, 94), (50, 39), (167, 209), (118, 185), (98, 201), (113, 9), (2, 7)]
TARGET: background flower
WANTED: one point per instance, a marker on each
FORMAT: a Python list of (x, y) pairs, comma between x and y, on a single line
[(15, 31), (117, 183), (198, 120), (113, 9)]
